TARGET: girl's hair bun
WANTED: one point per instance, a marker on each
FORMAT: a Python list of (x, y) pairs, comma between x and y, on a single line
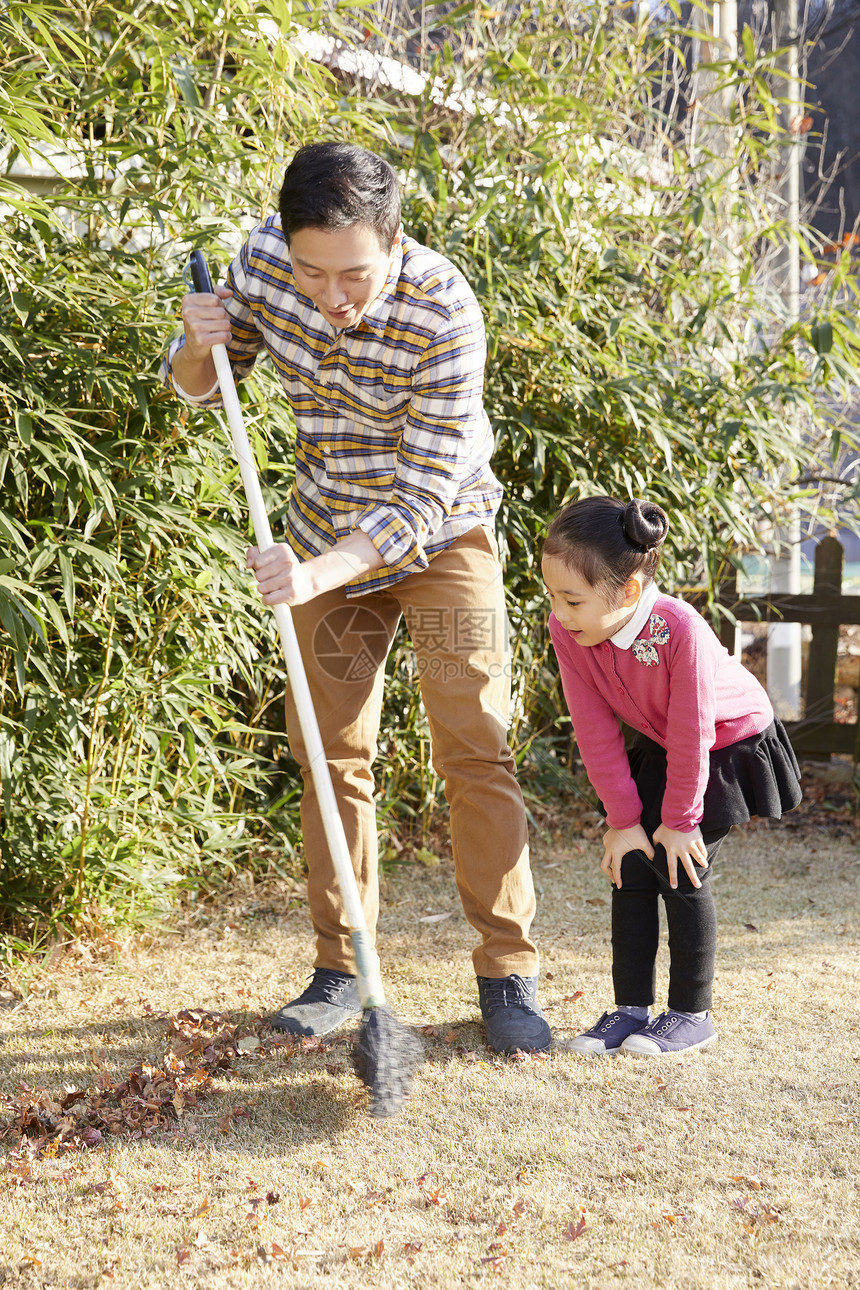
[(645, 524)]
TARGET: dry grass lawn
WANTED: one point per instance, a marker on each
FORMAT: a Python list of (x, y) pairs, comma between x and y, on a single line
[(735, 1167)]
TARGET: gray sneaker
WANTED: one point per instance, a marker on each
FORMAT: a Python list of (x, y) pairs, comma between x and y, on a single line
[(671, 1032), (512, 1015), (329, 1001)]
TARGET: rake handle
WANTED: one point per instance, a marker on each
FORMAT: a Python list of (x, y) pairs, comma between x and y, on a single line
[(367, 962)]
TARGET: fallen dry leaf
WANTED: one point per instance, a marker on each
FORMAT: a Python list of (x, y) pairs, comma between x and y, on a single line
[(574, 1230), (360, 1253), (671, 1219)]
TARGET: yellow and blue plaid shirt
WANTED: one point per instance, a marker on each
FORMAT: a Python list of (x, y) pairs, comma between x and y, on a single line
[(392, 435)]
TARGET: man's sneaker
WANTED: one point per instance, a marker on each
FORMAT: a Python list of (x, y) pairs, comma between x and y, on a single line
[(329, 1001), (671, 1032), (606, 1036), (512, 1016)]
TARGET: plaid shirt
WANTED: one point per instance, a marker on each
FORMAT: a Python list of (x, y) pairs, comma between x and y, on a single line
[(392, 436)]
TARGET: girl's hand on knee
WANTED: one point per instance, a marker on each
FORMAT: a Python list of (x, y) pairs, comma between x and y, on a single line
[(689, 848), (616, 844)]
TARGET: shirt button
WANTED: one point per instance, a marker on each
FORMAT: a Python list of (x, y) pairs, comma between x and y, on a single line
[(621, 689)]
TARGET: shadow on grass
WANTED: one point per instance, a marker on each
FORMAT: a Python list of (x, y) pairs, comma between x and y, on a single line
[(288, 1096), (305, 1091)]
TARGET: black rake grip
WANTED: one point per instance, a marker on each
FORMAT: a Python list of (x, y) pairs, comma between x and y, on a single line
[(200, 273)]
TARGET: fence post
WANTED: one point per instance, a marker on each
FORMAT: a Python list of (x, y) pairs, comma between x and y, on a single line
[(823, 649), (730, 633)]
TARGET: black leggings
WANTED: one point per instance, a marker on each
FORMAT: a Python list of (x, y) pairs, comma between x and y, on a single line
[(692, 922)]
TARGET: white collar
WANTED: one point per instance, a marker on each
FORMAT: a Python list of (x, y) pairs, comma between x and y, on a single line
[(625, 636)]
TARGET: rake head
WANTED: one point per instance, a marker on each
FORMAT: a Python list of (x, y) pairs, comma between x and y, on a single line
[(385, 1058)]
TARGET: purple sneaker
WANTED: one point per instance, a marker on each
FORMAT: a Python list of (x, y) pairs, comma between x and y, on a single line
[(606, 1036), (671, 1032)]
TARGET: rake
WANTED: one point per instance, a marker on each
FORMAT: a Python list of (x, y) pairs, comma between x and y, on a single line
[(386, 1053)]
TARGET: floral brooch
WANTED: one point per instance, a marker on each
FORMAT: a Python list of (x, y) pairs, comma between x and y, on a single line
[(645, 648)]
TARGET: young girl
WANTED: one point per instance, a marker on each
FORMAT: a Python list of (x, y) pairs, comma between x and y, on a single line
[(707, 754)]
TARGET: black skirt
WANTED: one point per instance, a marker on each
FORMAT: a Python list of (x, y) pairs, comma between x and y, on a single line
[(756, 776)]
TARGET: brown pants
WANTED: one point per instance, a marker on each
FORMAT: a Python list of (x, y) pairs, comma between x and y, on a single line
[(455, 613)]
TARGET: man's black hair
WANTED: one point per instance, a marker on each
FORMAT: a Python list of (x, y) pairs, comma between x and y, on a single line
[(335, 185)]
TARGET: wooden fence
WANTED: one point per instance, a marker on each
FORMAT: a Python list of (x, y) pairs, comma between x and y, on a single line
[(825, 609)]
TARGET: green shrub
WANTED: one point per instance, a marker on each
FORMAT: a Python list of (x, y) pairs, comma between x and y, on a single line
[(141, 740)]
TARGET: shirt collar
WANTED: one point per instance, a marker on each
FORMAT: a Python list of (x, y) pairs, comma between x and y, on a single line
[(624, 638)]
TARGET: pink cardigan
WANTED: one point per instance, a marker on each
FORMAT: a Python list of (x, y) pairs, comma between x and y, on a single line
[(678, 685)]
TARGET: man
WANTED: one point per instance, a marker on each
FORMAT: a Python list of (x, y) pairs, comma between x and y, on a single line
[(379, 345)]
